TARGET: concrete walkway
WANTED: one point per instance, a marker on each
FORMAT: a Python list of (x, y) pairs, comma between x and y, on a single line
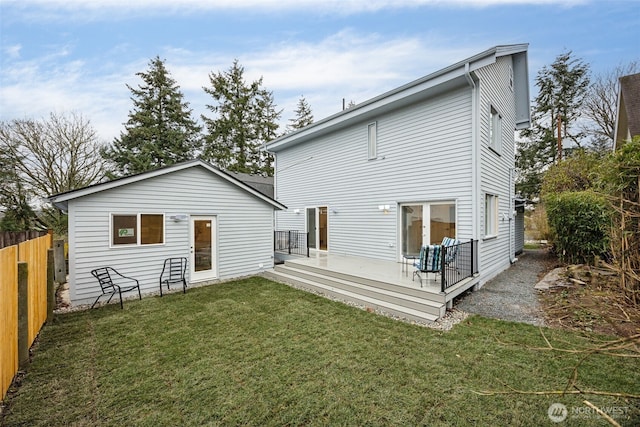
[(512, 294)]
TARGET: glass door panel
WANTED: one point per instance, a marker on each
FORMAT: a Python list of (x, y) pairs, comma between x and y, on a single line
[(311, 227), (412, 222), (442, 222), (323, 227), (202, 244)]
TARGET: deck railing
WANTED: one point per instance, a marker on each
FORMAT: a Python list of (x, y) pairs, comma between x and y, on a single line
[(458, 263), (291, 242)]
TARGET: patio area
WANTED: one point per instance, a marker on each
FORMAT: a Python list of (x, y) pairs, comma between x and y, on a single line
[(385, 285)]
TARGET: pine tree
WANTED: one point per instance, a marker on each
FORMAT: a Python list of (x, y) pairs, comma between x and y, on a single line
[(160, 130), (245, 119), (304, 116), (562, 88)]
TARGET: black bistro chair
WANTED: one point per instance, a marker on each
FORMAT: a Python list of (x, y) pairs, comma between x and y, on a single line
[(173, 271), (112, 282)]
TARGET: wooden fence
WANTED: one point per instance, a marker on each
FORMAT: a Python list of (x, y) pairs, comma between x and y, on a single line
[(10, 238), (24, 269), (8, 316)]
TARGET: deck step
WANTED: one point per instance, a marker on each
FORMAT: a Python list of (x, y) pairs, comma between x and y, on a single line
[(397, 304)]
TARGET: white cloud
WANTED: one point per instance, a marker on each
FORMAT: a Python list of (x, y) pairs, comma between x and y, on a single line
[(121, 8), (347, 64), (12, 51)]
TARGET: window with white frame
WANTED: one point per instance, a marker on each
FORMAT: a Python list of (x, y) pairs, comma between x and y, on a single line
[(511, 78), (372, 140), (495, 130), (137, 229), (490, 215)]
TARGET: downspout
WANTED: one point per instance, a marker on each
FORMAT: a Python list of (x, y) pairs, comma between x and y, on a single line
[(475, 159), (512, 257)]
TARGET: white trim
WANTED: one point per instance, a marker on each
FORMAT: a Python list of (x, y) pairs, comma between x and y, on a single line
[(426, 220), (372, 140), (491, 214), (495, 129), (61, 200), (138, 243), (199, 276)]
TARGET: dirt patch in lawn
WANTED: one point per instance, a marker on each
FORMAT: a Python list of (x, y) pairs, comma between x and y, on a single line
[(586, 298)]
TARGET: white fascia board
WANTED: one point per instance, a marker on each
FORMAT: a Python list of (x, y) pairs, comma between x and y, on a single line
[(61, 200)]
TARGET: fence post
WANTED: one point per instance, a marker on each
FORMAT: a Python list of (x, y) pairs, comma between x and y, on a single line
[(289, 241), (23, 315), (59, 261), (51, 288)]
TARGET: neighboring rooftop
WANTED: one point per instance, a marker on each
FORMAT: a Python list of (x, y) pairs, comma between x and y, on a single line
[(628, 114)]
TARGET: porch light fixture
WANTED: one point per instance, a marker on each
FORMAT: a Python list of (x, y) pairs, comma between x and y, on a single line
[(384, 208), (334, 211), (296, 211)]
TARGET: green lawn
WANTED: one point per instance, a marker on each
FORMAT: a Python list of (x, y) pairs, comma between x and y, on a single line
[(254, 352)]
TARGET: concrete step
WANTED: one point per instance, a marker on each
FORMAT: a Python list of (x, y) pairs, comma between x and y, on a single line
[(396, 304)]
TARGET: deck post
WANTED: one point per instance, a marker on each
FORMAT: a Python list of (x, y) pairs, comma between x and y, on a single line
[(443, 271)]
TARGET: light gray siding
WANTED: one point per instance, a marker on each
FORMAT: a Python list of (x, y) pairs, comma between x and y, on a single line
[(244, 229), (496, 166), (423, 154)]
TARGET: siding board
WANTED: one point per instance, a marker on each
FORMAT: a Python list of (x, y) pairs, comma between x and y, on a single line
[(244, 229)]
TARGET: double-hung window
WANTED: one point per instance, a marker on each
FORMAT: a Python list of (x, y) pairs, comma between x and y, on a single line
[(495, 130), (137, 229), (490, 215)]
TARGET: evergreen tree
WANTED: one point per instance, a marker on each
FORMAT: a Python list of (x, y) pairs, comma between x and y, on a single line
[(562, 88), (304, 116), (245, 119), (160, 130)]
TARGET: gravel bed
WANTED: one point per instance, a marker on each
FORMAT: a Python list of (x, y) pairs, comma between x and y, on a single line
[(511, 295)]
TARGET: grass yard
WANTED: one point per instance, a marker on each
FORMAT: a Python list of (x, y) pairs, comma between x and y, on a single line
[(255, 352)]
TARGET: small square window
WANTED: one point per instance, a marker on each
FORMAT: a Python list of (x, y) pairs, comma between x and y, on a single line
[(495, 130), (124, 229), (372, 141), (490, 215), (151, 229)]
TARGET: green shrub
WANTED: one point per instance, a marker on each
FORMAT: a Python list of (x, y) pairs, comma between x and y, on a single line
[(575, 173), (580, 223)]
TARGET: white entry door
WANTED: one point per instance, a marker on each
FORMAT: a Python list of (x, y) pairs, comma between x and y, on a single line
[(203, 259)]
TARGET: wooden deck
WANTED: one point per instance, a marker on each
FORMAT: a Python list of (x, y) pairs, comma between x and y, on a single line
[(382, 285)]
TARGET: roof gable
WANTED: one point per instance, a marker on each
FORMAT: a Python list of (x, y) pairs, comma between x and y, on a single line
[(61, 200), (448, 78)]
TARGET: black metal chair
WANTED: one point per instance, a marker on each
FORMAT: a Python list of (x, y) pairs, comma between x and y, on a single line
[(173, 271), (109, 278)]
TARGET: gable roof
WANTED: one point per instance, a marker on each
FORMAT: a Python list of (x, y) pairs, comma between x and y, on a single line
[(61, 200), (433, 84), (628, 113)]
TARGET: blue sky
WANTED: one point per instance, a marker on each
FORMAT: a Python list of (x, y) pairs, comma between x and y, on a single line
[(78, 55)]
